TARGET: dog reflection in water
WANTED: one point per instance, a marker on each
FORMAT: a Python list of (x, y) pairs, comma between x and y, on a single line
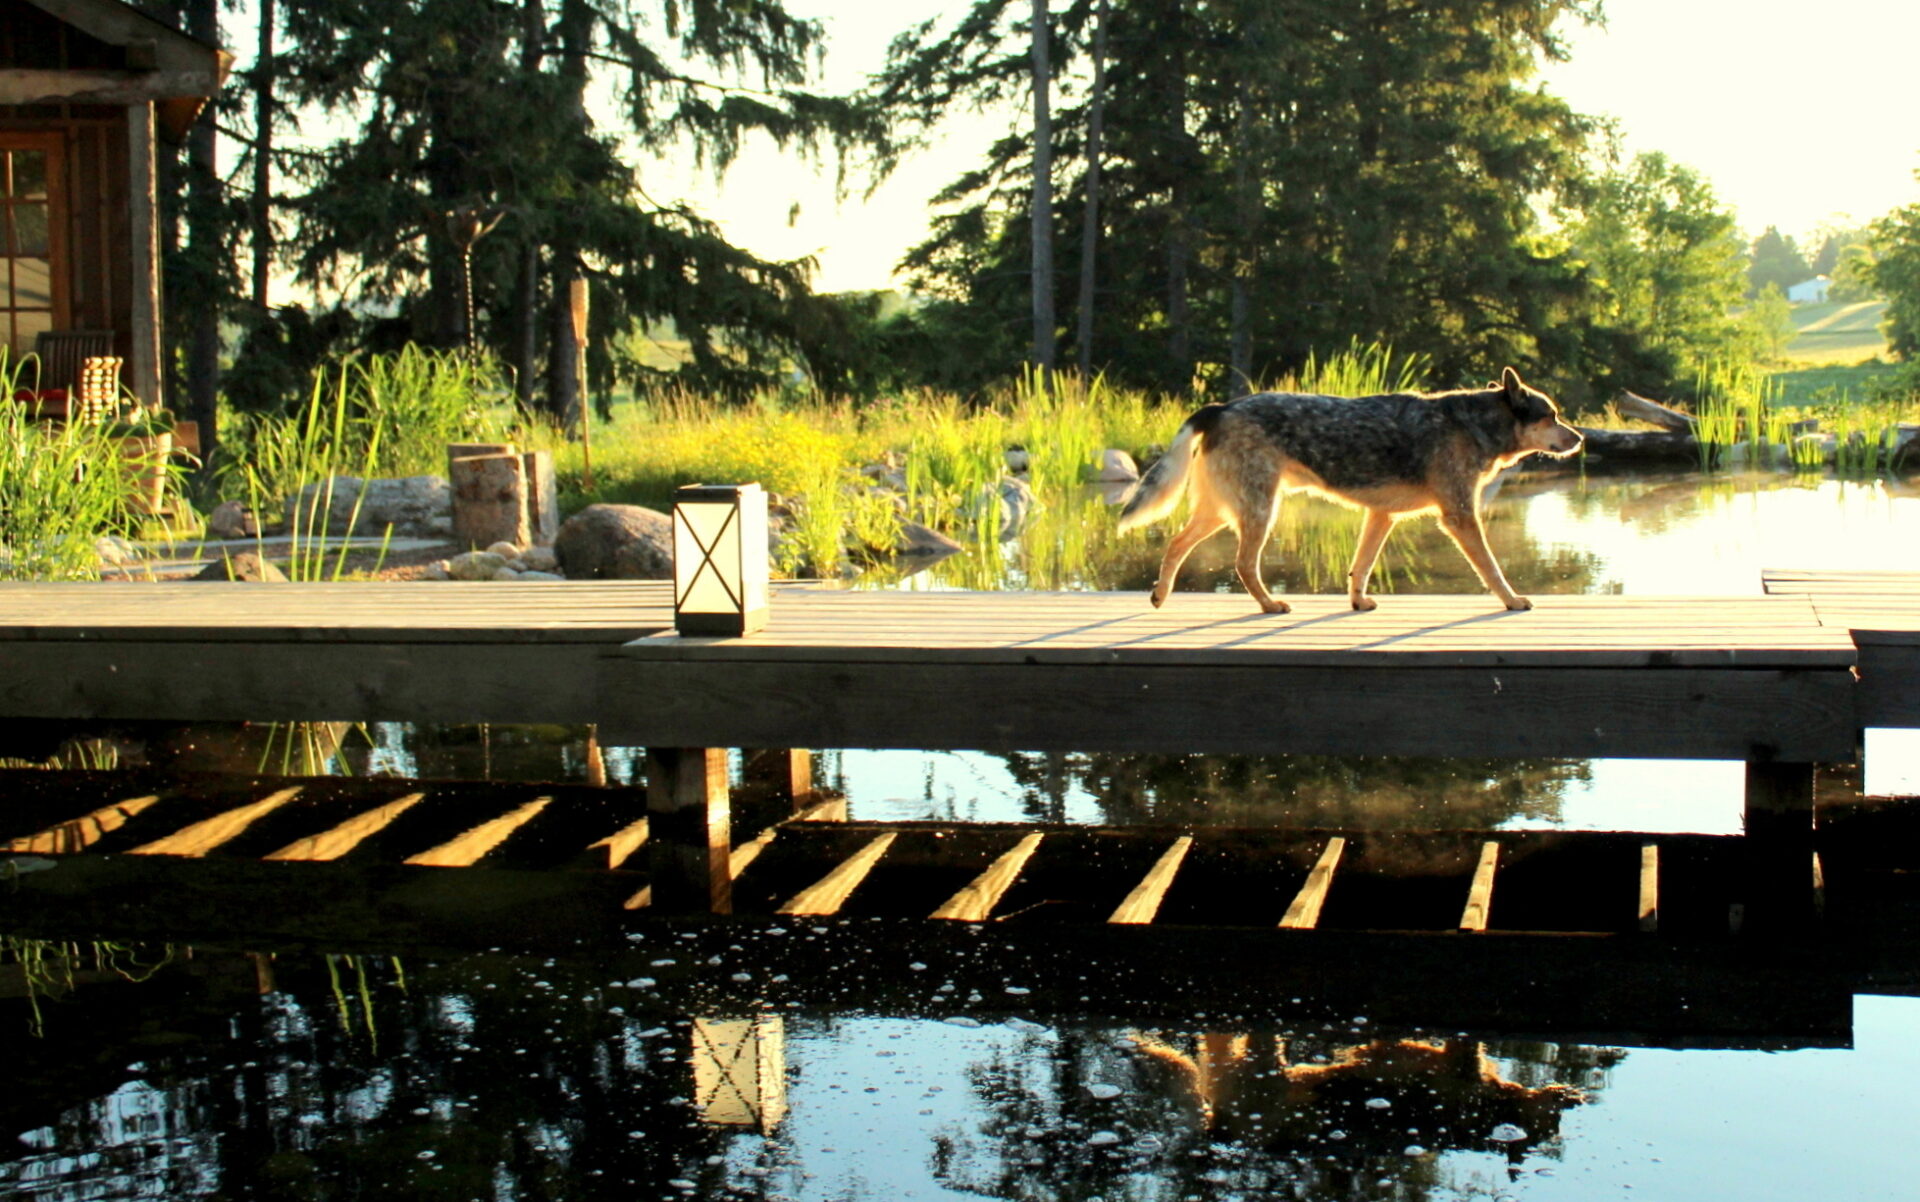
[(1247, 1088)]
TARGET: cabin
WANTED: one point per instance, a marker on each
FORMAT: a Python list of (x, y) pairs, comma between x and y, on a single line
[(86, 89)]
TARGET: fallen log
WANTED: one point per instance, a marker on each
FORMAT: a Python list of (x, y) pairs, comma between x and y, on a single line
[(1642, 446), (1638, 408)]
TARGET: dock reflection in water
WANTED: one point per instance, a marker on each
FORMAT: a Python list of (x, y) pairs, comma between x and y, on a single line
[(499, 1076)]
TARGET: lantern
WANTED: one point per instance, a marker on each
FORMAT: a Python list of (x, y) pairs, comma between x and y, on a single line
[(720, 559)]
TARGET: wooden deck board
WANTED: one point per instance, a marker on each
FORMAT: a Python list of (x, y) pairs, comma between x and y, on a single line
[(1119, 628)]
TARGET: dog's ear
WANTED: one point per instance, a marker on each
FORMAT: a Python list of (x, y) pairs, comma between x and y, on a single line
[(1510, 380)]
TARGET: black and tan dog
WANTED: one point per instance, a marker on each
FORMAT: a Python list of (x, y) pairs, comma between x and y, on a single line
[(1391, 455)]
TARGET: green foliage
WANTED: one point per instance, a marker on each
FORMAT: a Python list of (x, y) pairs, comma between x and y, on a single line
[(1896, 273), (61, 487), (1280, 177), (1769, 322), (1776, 261), (482, 107), (1665, 265)]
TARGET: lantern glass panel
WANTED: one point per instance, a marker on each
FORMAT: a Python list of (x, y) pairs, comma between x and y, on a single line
[(709, 578)]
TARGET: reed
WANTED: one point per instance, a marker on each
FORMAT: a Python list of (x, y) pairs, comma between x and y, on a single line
[(62, 486)]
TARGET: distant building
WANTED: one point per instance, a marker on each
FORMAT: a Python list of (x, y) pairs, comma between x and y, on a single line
[(1810, 292)]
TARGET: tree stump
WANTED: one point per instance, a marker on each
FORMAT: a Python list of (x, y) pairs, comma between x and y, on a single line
[(490, 499)]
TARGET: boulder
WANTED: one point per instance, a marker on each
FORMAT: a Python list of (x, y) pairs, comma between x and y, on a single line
[(916, 539), (411, 506), (476, 565), (230, 520), (1017, 504), (244, 566), (616, 542), (1117, 467)]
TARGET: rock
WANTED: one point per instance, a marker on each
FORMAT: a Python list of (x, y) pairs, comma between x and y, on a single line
[(615, 542), (114, 551), (231, 519), (539, 559), (531, 574), (1017, 505), (436, 571), (1017, 458), (505, 573), (412, 506), (916, 539), (505, 550), (475, 565), (244, 566), (1116, 466)]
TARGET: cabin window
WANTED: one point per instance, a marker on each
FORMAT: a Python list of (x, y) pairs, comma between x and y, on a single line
[(32, 267)]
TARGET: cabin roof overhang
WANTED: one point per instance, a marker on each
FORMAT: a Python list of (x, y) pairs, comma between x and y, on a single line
[(156, 64)]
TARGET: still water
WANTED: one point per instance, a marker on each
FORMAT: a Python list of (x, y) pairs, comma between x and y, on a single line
[(222, 1074)]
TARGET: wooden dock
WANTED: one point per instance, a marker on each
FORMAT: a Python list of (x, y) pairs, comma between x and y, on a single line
[(1781, 681)]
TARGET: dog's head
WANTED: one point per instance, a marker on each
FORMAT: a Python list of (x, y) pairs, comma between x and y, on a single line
[(1537, 419)]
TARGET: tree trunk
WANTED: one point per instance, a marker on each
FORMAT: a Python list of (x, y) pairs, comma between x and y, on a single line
[(525, 349), (1090, 217), (1239, 317), (1042, 203), (563, 374), (263, 160)]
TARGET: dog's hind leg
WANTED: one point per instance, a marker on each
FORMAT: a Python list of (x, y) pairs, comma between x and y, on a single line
[(1462, 524), (1256, 522), (1201, 526), (1373, 536)]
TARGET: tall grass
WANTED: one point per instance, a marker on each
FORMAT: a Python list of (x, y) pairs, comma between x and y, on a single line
[(61, 487)]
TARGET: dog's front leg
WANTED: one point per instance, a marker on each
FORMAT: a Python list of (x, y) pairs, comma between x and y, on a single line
[(1373, 536), (1463, 526)]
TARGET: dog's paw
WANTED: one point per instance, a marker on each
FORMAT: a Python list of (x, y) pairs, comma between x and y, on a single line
[(1519, 603), (1156, 599), (1276, 607), (1362, 605)]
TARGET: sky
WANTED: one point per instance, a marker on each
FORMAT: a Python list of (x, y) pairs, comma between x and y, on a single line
[(1800, 115)]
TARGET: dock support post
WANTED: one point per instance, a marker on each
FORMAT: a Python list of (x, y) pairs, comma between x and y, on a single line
[(787, 772), (1779, 835), (689, 837)]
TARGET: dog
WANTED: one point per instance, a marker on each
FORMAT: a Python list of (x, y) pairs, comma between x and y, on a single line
[(1391, 455)]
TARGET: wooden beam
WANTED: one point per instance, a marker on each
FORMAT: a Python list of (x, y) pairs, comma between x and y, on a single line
[(623, 842), (690, 837), (1680, 713), (468, 848), (78, 834), (1143, 903), (1480, 894), (831, 891), (1304, 913), (983, 893), (1650, 887), (19, 85), (332, 844), (203, 837)]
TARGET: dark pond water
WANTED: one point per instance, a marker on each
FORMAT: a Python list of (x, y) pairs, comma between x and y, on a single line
[(617, 1074)]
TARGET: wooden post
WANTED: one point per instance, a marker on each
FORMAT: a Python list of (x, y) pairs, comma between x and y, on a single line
[(144, 230), (788, 773), (689, 839), (1779, 836), (577, 303), (543, 503)]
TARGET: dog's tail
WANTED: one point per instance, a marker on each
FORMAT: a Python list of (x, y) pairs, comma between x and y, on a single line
[(1160, 489)]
